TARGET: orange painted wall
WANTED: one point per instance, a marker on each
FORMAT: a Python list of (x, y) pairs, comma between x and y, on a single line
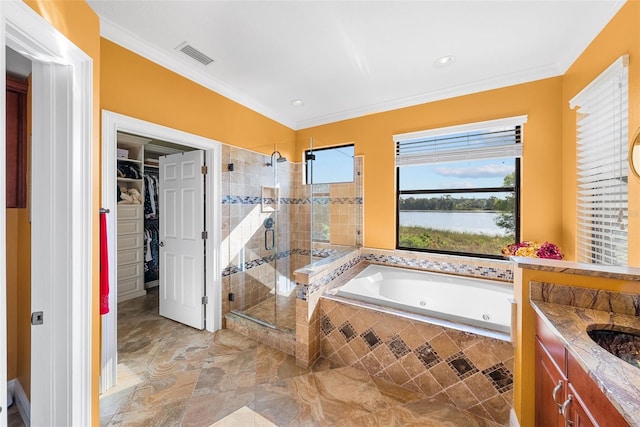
[(76, 21), (621, 36), (541, 165), (136, 87)]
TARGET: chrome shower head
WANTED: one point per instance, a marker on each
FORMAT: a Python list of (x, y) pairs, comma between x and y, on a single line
[(277, 157)]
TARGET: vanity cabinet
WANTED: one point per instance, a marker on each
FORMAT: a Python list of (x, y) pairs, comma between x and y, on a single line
[(565, 395), (551, 386)]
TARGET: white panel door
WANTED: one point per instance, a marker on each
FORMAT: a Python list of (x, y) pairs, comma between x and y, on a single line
[(181, 194)]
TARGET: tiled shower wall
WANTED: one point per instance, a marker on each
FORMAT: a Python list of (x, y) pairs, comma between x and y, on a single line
[(248, 271), (247, 264)]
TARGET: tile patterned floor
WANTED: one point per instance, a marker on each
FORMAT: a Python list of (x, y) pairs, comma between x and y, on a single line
[(172, 375)]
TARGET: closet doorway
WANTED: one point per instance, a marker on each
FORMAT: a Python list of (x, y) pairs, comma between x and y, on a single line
[(160, 225), (158, 242)]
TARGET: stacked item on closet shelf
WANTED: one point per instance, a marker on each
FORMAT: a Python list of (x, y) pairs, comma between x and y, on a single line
[(151, 226)]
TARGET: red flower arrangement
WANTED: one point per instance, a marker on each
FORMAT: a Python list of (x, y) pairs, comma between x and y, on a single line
[(533, 249)]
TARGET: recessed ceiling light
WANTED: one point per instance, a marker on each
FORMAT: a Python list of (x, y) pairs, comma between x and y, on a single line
[(297, 102), (444, 61)]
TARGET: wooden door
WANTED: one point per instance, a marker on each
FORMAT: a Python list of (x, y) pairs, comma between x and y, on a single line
[(16, 143)]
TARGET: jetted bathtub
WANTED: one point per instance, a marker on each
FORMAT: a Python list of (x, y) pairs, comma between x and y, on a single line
[(480, 303)]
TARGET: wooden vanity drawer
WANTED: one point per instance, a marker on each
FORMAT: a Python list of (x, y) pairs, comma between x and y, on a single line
[(596, 404), (552, 344)]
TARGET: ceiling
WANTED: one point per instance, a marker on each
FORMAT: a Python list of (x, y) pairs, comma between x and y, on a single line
[(345, 59)]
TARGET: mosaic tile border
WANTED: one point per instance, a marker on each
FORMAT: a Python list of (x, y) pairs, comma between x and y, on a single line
[(314, 287), (438, 266), (256, 200), (248, 265), (461, 268)]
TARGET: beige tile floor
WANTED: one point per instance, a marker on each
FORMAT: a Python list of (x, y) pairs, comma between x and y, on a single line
[(172, 375)]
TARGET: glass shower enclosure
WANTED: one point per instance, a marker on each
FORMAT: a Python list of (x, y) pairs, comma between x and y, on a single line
[(274, 223), (258, 234)]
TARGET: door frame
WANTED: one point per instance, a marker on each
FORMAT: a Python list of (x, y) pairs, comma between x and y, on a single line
[(112, 123), (62, 217)]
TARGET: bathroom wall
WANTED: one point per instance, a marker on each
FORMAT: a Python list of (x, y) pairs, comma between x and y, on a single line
[(621, 36), (373, 138), (337, 218)]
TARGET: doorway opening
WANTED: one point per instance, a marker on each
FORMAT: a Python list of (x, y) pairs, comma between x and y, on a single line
[(159, 141), (61, 215)]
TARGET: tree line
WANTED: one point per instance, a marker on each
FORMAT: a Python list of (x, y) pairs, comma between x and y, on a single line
[(505, 207), (448, 203)]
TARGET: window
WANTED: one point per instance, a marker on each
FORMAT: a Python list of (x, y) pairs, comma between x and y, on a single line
[(602, 137), (458, 188), (329, 165)]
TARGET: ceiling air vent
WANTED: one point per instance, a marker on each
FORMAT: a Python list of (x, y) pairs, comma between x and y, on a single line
[(194, 53)]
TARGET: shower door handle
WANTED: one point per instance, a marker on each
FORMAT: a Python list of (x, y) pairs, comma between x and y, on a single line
[(266, 238)]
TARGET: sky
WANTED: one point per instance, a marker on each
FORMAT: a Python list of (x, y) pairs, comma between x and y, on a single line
[(333, 165), (466, 174)]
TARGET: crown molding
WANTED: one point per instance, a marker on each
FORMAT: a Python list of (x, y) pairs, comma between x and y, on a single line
[(128, 40), (538, 73)]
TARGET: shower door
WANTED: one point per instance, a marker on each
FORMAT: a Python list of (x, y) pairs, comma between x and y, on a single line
[(258, 242)]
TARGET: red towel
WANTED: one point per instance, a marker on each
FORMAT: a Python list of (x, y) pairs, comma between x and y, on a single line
[(104, 266)]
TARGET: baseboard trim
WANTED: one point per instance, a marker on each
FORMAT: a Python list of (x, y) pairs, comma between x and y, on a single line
[(22, 401), (513, 419), (11, 386)]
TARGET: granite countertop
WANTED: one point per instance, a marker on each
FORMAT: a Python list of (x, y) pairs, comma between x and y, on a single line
[(571, 267), (618, 380)]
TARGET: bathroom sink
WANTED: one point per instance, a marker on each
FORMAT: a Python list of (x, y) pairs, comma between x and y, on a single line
[(622, 342)]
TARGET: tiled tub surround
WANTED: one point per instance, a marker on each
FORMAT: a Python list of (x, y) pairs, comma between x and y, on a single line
[(470, 371), (318, 335), (315, 279), (571, 311)]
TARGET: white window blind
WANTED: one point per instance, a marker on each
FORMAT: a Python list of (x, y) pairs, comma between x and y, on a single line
[(483, 140), (602, 149)]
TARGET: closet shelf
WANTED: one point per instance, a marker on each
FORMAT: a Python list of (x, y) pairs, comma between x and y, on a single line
[(129, 179), (125, 159)]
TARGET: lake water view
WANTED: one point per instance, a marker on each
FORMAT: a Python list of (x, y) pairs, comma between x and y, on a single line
[(476, 222)]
